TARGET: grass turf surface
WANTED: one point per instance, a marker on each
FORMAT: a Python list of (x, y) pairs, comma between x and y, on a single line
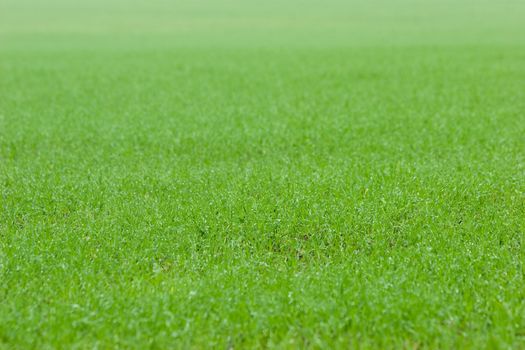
[(233, 174)]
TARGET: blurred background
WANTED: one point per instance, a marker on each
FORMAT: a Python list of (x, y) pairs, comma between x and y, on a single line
[(260, 23)]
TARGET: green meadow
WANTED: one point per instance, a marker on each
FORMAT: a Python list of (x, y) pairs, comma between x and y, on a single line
[(282, 174)]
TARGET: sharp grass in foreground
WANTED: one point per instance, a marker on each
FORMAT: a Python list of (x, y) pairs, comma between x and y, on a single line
[(188, 188)]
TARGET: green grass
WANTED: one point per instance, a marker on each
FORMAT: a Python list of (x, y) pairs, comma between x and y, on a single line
[(241, 175)]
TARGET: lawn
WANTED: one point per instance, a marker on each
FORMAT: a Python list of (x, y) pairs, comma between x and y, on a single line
[(235, 174)]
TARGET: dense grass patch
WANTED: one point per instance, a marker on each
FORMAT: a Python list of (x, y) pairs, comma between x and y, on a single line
[(324, 193)]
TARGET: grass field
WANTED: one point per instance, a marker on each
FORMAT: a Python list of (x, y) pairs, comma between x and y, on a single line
[(286, 174)]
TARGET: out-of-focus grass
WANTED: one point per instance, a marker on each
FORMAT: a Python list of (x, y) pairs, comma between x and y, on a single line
[(291, 23)]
